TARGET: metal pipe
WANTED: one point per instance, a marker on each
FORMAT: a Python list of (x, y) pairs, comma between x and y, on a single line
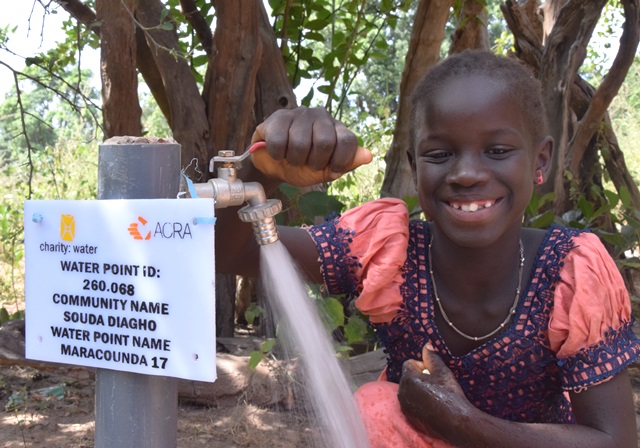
[(134, 410)]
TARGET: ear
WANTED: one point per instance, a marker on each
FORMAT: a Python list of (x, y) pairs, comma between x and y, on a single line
[(412, 164), (544, 157)]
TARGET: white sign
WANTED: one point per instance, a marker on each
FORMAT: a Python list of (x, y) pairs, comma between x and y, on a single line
[(122, 284)]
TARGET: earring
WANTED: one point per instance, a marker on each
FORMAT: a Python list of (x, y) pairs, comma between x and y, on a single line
[(539, 179)]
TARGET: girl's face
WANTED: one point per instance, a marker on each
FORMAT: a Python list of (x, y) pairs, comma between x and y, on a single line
[(475, 161)]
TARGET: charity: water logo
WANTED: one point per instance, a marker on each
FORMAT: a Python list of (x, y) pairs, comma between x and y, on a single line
[(67, 227)]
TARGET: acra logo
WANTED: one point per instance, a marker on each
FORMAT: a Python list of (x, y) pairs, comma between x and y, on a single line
[(165, 230), (134, 230)]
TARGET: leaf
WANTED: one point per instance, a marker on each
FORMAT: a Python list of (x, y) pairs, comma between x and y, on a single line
[(542, 221), (200, 60), (317, 25), (612, 197), (326, 89), (267, 345), (355, 330), (378, 55), (625, 197), (167, 26), (614, 239), (252, 312), (318, 203), (4, 315), (254, 359), (412, 202), (314, 35), (335, 312), (306, 101), (289, 190), (586, 208), (386, 5), (633, 264), (36, 60)]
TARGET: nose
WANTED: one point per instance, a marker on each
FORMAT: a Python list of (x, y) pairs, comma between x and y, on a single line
[(467, 170)]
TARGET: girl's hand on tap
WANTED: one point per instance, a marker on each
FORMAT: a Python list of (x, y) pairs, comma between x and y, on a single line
[(306, 146)]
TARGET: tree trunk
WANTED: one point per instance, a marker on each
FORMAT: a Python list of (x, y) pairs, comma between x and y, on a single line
[(231, 79), (273, 88), (186, 108), (472, 31), (563, 55), (424, 51), (121, 110)]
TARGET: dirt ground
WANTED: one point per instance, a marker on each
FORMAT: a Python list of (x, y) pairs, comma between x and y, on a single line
[(55, 409)]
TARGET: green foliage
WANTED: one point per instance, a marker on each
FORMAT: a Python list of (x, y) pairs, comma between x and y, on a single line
[(328, 44), (58, 160), (310, 205), (6, 317), (154, 122), (252, 312), (264, 354), (614, 220), (600, 50), (625, 119)]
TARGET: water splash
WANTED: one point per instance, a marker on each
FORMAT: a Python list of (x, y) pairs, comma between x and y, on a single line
[(328, 389)]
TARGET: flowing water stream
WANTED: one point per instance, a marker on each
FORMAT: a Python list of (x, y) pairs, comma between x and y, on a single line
[(327, 386)]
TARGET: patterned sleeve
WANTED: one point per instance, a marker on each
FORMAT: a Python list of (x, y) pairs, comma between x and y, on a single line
[(362, 253), (590, 323)]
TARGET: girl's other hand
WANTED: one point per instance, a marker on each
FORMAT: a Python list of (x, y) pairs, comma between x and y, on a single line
[(431, 398), (306, 146)]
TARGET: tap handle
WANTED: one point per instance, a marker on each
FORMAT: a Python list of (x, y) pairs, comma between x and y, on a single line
[(229, 156)]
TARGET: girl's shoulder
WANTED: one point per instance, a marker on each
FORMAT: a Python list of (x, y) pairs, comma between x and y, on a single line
[(561, 241)]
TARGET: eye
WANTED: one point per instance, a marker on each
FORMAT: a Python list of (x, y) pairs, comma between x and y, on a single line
[(436, 155), (499, 151)]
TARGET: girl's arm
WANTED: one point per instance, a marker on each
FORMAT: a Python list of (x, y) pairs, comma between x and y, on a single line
[(435, 404)]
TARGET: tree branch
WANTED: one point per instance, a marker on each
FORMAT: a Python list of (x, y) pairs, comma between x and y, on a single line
[(527, 41), (23, 124), (82, 13), (199, 24), (608, 89)]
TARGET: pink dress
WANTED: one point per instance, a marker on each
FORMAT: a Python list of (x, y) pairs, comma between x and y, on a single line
[(572, 327)]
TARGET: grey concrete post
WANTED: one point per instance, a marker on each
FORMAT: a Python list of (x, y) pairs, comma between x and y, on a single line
[(134, 410)]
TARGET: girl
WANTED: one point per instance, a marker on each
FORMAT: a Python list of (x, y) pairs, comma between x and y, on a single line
[(496, 335)]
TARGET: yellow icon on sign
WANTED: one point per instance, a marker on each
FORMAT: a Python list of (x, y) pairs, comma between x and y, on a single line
[(67, 227)]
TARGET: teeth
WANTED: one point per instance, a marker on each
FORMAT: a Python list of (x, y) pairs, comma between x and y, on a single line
[(472, 207)]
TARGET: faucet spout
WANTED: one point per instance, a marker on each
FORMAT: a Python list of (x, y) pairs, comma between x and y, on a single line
[(228, 191)]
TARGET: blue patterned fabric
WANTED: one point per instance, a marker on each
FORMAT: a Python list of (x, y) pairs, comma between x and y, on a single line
[(515, 375)]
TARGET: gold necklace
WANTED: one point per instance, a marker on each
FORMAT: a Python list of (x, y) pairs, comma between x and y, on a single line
[(512, 310)]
